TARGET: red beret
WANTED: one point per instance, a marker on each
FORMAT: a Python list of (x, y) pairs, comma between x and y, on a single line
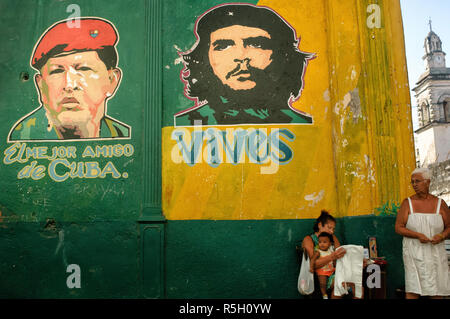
[(92, 34)]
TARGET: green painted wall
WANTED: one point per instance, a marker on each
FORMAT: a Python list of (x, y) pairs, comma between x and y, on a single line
[(204, 259), (35, 258), (257, 259)]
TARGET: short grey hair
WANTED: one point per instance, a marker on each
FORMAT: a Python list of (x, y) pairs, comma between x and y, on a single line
[(425, 172)]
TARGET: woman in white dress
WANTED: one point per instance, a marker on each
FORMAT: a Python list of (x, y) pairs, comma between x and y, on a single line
[(424, 222)]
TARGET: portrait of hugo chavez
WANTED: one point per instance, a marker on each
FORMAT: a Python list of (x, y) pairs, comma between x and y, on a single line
[(76, 74)]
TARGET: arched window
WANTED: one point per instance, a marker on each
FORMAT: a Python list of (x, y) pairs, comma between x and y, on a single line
[(446, 105), (425, 111)]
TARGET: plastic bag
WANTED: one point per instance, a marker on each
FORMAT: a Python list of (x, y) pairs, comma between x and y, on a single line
[(305, 282)]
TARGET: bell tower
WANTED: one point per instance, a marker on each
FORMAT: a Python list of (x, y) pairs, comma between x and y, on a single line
[(432, 93), (434, 56)]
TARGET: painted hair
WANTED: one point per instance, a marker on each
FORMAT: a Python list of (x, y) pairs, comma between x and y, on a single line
[(107, 55), (425, 172), (324, 218)]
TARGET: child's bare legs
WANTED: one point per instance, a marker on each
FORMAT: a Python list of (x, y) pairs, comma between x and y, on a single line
[(323, 284)]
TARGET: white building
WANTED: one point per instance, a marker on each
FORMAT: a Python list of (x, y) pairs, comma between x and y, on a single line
[(432, 93)]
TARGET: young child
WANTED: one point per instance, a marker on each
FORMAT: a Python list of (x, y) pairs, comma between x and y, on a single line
[(323, 248)]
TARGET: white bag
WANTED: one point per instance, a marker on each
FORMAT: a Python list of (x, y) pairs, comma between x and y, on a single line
[(305, 282), (349, 269)]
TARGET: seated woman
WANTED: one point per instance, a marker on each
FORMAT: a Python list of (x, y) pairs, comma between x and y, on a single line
[(324, 223)]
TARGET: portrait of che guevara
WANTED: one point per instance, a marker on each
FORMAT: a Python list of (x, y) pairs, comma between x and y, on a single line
[(76, 74), (245, 68)]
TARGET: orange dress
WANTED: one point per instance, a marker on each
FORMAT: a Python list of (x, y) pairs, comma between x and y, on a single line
[(328, 269)]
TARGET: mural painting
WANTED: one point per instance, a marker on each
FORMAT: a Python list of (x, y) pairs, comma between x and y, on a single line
[(245, 67), (76, 75)]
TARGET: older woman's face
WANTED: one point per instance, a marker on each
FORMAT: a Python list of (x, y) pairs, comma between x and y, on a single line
[(420, 184), (328, 227)]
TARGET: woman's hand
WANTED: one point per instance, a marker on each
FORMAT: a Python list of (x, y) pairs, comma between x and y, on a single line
[(423, 239), (339, 253), (437, 239), (365, 262)]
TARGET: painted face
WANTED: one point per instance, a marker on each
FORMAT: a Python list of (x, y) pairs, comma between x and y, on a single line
[(420, 184), (73, 89), (328, 227), (324, 243), (235, 50)]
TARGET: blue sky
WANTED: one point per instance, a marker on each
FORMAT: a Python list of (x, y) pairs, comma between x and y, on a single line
[(416, 14)]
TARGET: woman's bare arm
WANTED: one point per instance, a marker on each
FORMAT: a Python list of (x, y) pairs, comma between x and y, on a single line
[(308, 245), (313, 261), (400, 224), (445, 212), (446, 217), (336, 241)]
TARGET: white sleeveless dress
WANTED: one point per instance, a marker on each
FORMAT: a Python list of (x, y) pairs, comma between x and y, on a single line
[(426, 265)]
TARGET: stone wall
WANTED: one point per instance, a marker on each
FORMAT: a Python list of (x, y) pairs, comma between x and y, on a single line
[(440, 180)]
